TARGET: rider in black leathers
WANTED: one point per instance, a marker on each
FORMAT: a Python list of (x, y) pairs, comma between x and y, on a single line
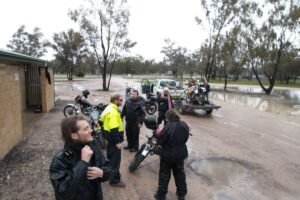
[(163, 105), (68, 172), (173, 140), (134, 115)]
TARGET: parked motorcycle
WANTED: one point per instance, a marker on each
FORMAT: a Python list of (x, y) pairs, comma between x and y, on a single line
[(85, 107), (150, 104), (97, 132), (150, 147), (197, 96)]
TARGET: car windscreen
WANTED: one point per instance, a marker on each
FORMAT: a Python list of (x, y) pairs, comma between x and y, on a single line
[(168, 84)]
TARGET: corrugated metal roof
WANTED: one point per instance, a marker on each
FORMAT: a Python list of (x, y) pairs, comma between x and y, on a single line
[(13, 56)]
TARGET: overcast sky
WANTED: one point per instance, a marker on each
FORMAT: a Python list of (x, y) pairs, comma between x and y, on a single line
[(151, 21)]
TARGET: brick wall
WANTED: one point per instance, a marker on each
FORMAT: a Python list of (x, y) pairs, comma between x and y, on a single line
[(22, 88), (10, 107), (47, 90)]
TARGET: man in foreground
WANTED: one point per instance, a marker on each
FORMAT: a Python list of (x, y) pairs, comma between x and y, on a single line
[(77, 170)]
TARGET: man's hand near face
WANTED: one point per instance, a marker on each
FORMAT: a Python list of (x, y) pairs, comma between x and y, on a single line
[(86, 153)]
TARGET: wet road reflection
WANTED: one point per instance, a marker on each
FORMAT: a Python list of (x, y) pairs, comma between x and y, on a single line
[(280, 101)]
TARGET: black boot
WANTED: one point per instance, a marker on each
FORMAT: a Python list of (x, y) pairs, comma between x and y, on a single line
[(181, 198), (157, 197)]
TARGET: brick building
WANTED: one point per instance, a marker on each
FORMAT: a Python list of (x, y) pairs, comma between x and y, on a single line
[(25, 83)]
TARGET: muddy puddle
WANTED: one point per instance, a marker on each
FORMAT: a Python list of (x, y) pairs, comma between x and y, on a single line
[(218, 170), (223, 196)]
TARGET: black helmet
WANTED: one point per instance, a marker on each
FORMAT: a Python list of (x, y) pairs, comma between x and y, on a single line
[(150, 122), (85, 93)]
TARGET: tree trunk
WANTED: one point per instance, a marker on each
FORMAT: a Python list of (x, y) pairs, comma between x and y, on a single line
[(258, 79), (104, 75), (110, 72), (225, 78), (250, 75), (225, 82), (71, 73)]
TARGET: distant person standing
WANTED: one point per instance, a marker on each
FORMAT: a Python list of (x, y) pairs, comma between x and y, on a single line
[(172, 138), (134, 116), (207, 89), (113, 130), (77, 170), (190, 90), (165, 103)]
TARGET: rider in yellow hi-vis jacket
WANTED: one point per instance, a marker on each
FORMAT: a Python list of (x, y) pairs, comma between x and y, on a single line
[(111, 118), (113, 130)]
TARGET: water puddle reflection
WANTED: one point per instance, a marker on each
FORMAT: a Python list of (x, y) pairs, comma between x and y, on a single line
[(219, 170), (281, 101)]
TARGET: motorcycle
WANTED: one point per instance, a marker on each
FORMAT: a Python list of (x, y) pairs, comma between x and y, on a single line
[(150, 104), (148, 148), (97, 132), (197, 95), (85, 107)]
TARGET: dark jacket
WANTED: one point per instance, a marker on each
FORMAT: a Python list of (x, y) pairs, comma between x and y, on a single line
[(133, 111), (173, 140), (68, 173), (163, 103)]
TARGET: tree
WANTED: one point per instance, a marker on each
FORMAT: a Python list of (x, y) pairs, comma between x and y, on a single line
[(104, 25), (71, 49), (27, 43), (232, 56), (219, 14), (175, 57), (268, 43), (289, 70), (91, 64), (180, 60)]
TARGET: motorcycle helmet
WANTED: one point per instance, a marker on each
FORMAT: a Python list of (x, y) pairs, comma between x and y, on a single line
[(150, 122), (85, 93)]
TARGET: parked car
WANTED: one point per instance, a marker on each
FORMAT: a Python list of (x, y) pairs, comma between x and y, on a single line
[(175, 87)]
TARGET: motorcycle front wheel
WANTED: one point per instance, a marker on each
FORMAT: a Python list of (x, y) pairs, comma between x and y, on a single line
[(69, 110), (137, 160)]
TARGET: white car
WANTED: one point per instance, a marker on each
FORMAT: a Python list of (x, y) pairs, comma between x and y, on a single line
[(174, 87)]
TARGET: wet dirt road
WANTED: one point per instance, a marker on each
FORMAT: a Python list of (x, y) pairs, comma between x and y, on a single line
[(235, 153)]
